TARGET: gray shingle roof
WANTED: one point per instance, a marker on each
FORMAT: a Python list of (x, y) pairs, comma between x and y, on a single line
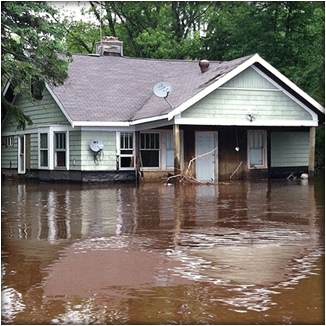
[(119, 89)]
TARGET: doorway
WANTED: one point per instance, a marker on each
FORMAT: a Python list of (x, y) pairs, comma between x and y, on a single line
[(21, 154), (206, 166)]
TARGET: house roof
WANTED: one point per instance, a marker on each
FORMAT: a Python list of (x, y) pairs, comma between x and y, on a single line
[(118, 90)]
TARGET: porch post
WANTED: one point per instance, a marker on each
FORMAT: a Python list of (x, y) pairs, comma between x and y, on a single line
[(137, 155), (176, 145), (312, 141)]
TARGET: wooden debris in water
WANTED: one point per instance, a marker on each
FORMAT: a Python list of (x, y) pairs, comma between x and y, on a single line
[(186, 176)]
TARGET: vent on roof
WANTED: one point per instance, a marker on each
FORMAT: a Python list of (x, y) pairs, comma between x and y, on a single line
[(109, 46), (203, 64)]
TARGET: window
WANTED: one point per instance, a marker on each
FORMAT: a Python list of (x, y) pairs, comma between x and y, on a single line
[(257, 157), (60, 149), (53, 147), (37, 88), (8, 141), (44, 150), (126, 158), (150, 149)]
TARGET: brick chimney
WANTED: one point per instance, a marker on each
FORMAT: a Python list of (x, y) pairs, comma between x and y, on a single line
[(203, 64), (110, 45)]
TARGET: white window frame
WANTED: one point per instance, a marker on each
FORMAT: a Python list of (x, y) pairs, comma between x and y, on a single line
[(9, 141), (264, 148), (120, 155), (51, 131), (60, 150), (40, 149)]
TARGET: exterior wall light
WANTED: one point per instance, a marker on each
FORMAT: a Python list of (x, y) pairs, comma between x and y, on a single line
[(250, 117)]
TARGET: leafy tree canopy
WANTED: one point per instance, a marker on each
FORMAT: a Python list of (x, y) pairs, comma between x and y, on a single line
[(31, 39)]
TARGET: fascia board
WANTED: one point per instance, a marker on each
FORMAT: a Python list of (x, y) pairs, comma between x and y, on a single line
[(146, 120), (100, 124), (107, 128), (153, 125), (214, 86)]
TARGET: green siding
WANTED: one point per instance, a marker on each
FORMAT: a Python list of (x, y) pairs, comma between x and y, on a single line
[(108, 158), (251, 93), (249, 78), (10, 154), (34, 151), (42, 113), (289, 149), (75, 150)]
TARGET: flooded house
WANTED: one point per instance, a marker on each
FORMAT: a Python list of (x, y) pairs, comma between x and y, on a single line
[(117, 118)]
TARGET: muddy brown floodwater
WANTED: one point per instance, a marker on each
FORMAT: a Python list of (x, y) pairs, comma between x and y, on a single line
[(232, 253)]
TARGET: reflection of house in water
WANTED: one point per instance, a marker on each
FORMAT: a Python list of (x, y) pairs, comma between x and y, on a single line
[(247, 238), (98, 212)]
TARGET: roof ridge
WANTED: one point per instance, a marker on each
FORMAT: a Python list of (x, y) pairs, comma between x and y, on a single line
[(143, 59)]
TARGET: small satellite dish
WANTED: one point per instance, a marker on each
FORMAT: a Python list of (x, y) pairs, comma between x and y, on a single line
[(96, 145), (162, 89)]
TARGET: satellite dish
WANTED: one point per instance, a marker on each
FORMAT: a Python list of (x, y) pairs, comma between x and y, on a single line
[(162, 89), (96, 145)]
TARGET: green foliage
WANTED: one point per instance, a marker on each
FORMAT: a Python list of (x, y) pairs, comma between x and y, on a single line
[(288, 34), (82, 37), (152, 29), (31, 39)]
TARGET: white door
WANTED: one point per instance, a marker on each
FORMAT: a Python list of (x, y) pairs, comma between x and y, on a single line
[(206, 166), (21, 154)]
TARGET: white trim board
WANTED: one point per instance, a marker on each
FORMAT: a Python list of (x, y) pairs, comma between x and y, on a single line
[(245, 122)]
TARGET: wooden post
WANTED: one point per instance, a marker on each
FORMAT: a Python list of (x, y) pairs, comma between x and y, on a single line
[(312, 141), (176, 144), (136, 154)]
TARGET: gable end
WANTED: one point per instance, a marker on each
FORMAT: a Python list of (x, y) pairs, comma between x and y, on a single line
[(287, 88)]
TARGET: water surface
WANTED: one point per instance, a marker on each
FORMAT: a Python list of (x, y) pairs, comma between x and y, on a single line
[(232, 253)]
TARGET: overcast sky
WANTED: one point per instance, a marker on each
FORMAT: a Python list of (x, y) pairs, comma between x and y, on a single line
[(71, 8)]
